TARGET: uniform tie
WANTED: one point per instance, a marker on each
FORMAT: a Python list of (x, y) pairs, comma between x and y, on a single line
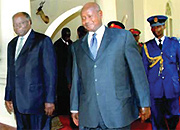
[(93, 45), (160, 44), (19, 47)]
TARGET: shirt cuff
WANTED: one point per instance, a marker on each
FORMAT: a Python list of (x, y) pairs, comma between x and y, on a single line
[(73, 111)]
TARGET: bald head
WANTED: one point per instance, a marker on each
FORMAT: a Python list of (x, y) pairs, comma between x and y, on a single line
[(92, 5), (91, 15)]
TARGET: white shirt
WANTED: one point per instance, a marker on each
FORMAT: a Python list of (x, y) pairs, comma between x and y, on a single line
[(100, 33), (157, 40), (24, 40)]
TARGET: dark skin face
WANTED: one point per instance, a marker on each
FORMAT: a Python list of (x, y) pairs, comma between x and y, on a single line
[(136, 37), (21, 24), (91, 17), (66, 37), (158, 31)]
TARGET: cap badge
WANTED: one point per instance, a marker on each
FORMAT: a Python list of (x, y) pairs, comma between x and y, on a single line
[(155, 19), (112, 25)]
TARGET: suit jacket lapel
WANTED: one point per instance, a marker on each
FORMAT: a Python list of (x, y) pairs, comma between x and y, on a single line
[(165, 44), (85, 46), (28, 43), (13, 49), (154, 45), (105, 42)]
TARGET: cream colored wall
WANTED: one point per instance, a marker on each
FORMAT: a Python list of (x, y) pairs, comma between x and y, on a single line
[(176, 17), (54, 8), (139, 10), (109, 10), (154, 7), (125, 7), (0, 34), (139, 19)]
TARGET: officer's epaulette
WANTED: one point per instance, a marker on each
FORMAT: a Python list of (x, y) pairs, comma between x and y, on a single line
[(174, 38)]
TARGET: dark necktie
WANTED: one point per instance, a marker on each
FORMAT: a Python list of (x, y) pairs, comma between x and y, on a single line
[(93, 45), (160, 44)]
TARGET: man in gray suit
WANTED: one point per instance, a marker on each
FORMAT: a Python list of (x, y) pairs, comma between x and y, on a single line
[(106, 89)]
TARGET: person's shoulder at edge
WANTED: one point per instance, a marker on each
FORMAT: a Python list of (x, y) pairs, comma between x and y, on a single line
[(175, 39), (117, 31), (40, 34), (12, 40), (149, 41), (79, 41)]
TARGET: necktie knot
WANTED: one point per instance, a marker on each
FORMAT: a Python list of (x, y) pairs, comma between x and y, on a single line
[(160, 40), (94, 35), (93, 45)]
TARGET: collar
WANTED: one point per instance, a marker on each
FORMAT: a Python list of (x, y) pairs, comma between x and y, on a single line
[(100, 31), (26, 35), (99, 36), (157, 40), (64, 41)]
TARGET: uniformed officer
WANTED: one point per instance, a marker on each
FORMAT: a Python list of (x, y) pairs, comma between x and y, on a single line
[(136, 33), (161, 55), (116, 24)]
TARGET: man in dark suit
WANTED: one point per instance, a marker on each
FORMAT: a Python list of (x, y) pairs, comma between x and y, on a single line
[(81, 31), (106, 89), (31, 76), (63, 85), (161, 58)]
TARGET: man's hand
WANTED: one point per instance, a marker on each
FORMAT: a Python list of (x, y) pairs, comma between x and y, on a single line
[(9, 106), (49, 108), (69, 87), (144, 113), (75, 117)]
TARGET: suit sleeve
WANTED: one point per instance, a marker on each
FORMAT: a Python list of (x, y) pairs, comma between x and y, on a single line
[(178, 54), (8, 95), (74, 95), (49, 70), (145, 61), (140, 83)]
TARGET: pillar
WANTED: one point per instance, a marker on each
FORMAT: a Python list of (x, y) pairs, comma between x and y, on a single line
[(109, 10)]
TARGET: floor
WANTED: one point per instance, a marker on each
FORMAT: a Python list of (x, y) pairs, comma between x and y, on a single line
[(66, 125), (6, 127)]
